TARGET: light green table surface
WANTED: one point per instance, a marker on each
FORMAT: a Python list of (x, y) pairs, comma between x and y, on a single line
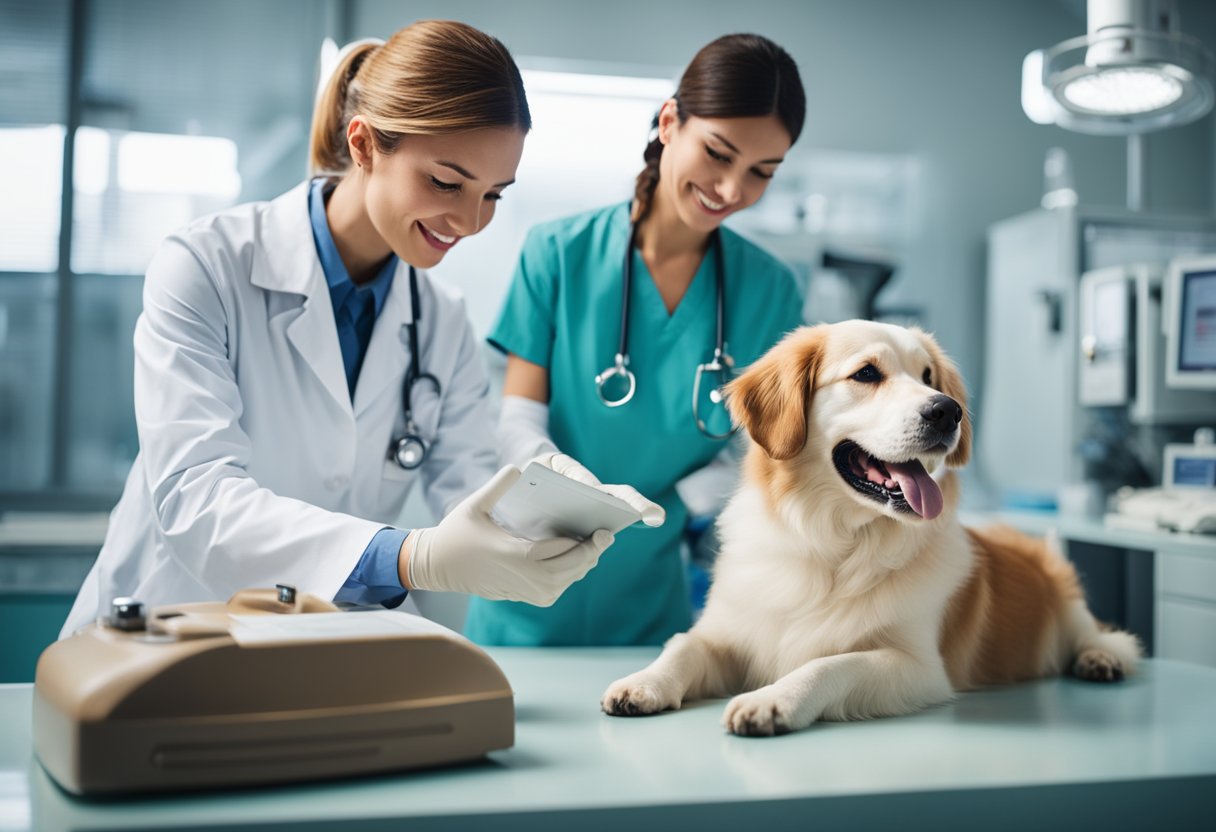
[(1052, 754)]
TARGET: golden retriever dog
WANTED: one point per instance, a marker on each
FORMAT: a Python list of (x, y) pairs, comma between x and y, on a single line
[(845, 587)]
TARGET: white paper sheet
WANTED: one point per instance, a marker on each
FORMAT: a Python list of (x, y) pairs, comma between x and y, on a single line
[(255, 630)]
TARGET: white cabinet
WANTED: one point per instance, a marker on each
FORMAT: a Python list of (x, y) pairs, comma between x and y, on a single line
[(1185, 608)]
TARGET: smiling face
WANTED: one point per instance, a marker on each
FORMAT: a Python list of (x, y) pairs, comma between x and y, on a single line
[(432, 191), (713, 167), (864, 408)]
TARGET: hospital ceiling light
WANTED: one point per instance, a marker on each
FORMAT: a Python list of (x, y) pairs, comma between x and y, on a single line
[(1133, 72)]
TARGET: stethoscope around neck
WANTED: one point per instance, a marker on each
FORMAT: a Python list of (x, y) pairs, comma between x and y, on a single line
[(718, 368), (408, 449)]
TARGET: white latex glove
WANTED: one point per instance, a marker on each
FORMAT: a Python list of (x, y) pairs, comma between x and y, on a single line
[(523, 431), (469, 552), (652, 513), (705, 491)]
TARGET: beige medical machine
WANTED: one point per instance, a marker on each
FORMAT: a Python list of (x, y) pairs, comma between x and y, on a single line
[(272, 687)]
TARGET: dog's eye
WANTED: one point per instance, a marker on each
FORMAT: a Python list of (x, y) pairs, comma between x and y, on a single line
[(868, 375), (927, 376)]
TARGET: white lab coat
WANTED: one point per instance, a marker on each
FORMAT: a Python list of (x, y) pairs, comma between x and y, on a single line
[(255, 467)]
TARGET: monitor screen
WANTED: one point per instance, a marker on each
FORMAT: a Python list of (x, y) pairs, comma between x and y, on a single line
[(1197, 322), (1195, 471), (1189, 321)]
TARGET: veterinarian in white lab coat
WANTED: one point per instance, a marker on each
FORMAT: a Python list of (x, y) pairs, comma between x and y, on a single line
[(281, 344)]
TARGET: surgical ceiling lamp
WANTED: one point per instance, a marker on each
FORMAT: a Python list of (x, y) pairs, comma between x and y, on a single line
[(1133, 72)]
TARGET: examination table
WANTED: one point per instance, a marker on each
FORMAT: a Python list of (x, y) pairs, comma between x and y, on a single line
[(1054, 754)]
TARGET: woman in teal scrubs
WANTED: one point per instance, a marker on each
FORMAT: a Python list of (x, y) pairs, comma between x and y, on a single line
[(738, 109)]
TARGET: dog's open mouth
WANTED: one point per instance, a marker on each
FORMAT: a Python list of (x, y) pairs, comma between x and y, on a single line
[(905, 486)]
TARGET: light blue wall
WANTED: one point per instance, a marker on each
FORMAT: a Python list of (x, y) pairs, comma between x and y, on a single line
[(937, 79)]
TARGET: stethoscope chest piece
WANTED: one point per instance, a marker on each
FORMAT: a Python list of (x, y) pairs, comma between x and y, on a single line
[(714, 373), (411, 450), (617, 384)]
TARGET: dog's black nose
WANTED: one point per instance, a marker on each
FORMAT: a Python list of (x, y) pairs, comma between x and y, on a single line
[(942, 412)]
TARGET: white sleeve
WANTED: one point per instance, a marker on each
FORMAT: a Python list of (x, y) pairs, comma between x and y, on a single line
[(706, 490), (220, 526), (523, 431)]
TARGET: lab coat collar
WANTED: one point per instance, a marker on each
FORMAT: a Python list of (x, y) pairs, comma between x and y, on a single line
[(286, 261), (289, 263)]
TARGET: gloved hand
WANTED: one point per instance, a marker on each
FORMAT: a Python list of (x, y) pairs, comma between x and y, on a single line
[(469, 552), (652, 513)]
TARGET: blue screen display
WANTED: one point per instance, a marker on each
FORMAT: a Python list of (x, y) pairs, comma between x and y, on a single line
[(1195, 471)]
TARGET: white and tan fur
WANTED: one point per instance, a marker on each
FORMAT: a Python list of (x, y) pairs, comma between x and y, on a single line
[(827, 604)]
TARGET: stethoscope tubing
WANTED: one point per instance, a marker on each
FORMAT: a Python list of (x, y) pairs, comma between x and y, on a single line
[(414, 374), (400, 447), (620, 367)]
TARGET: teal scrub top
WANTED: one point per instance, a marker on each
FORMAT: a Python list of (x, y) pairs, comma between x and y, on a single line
[(563, 312)]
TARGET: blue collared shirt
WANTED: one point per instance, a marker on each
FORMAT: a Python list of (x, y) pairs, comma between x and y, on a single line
[(375, 579), (355, 307)]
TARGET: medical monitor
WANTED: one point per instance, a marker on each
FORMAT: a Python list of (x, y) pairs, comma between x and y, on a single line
[(1189, 466), (1190, 323)]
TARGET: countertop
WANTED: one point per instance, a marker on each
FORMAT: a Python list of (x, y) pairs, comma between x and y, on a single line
[(1055, 753)]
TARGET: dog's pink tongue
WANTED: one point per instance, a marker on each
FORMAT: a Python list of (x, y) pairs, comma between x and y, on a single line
[(920, 490)]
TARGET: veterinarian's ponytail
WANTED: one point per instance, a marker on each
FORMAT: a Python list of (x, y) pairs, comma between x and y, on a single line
[(735, 76), (433, 77)]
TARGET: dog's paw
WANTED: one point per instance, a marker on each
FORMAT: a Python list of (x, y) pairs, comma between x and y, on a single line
[(760, 713), (635, 696), (1096, 665)]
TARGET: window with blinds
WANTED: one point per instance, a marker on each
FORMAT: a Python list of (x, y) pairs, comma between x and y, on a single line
[(183, 109), (33, 102), (33, 98)]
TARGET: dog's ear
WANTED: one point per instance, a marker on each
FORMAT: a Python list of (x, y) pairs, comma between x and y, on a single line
[(948, 380), (772, 397)]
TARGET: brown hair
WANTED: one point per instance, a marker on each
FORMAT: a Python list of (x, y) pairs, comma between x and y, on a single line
[(432, 77), (735, 76)]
